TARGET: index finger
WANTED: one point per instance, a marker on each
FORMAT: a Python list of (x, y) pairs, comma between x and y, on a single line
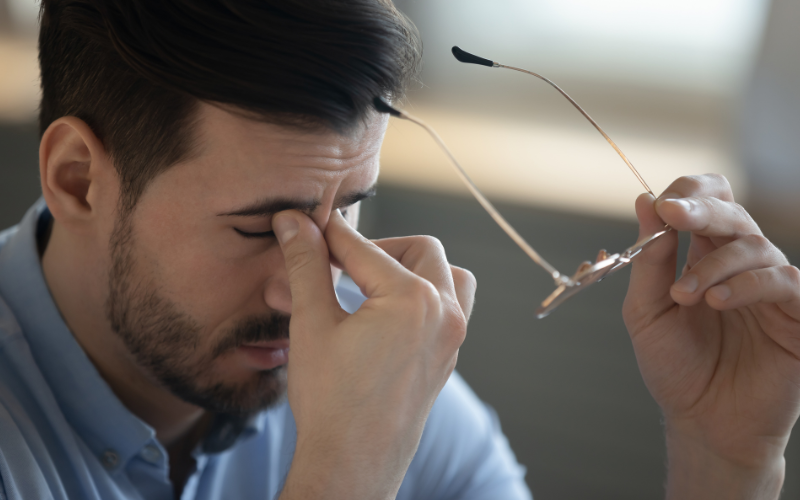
[(699, 186), (423, 256), (707, 216), (375, 272)]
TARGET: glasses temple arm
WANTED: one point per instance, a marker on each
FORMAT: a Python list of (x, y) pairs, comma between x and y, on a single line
[(486, 204), (586, 115)]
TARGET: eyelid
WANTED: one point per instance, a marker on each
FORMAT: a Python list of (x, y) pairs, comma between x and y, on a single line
[(264, 234), (271, 234)]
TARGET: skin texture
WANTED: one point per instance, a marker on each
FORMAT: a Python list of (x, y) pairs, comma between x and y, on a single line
[(720, 348)]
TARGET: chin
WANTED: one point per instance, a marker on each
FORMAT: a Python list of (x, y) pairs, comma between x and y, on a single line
[(262, 390)]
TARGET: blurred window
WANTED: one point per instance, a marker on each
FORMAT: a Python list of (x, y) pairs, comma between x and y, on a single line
[(24, 14), (706, 45)]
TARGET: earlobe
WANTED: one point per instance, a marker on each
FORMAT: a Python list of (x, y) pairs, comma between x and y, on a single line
[(71, 157)]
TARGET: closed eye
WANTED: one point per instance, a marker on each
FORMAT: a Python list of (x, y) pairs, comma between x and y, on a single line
[(265, 234), (268, 234)]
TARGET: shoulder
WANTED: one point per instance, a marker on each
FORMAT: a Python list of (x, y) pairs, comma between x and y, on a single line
[(21, 476), (5, 234), (463, 453), (9, 328), (23, 449)]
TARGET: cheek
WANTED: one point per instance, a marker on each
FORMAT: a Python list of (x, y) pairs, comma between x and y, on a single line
[(212, 287)]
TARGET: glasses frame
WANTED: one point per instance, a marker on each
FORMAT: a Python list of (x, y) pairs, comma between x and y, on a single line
[(587, 273)]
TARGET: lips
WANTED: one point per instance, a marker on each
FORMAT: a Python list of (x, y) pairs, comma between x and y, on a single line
[(265, 355), (269, 344)]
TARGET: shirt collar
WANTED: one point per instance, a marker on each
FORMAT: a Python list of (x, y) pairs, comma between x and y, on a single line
[(227, 429), (110, 430)]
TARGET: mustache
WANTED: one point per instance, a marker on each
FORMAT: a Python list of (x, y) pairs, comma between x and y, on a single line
[(255, 329)]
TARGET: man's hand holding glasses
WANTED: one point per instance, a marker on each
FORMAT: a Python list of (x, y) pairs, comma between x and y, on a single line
[(719, 349)]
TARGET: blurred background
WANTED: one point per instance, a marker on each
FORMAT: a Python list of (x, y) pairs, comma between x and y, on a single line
[(682, 86)]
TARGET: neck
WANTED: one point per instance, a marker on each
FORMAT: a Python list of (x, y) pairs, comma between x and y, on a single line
[(77, 281)]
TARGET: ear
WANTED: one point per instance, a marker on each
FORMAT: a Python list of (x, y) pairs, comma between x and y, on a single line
[(72, 161)]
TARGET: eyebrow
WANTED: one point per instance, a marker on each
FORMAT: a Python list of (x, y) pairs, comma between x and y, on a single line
[(271, 206)]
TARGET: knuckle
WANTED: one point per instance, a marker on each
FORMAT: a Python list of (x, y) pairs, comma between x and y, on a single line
[(689, 184), (711, 265), (424, 290), (719, 180), (742, 212), (751, 280), (431, 243), (720, 186), (453, 330), (758, 242), (793, 275), (464, 277), (419, 299), (456, 331)]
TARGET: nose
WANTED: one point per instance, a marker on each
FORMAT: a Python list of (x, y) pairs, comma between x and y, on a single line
[(277, 293)]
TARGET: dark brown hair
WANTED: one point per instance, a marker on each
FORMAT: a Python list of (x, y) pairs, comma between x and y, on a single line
[(134, 70)]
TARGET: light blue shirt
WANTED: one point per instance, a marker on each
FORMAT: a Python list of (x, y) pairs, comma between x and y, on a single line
[(65, 435)]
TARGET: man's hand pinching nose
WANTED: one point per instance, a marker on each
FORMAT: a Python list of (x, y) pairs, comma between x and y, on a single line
[(361, 386)]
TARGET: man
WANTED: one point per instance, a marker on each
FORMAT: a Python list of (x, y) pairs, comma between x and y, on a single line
[(201, 167)]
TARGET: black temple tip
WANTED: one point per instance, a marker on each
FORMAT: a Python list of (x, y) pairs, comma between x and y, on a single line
[(466, 57), (384, 107)]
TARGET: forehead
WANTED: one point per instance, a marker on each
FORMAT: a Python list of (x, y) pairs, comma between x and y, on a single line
[(237, 159), (222, 133)]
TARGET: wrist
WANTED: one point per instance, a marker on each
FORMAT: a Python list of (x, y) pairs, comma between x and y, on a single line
[(324, 470), (740, 472)]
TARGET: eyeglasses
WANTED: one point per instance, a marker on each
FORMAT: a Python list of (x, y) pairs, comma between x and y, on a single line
[(587, 273)]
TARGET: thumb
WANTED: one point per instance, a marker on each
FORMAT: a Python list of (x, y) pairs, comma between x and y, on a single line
[(652, 271), (305, 254)]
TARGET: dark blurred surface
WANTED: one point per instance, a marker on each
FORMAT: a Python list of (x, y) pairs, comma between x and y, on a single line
[(567, 387), (19, 171)]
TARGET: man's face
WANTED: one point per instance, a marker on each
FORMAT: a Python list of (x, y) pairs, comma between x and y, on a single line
[(198, 288)]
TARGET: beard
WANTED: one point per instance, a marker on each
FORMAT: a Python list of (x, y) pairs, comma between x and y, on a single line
[(165, 342)]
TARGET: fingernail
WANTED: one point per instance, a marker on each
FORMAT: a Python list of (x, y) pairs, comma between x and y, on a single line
[(685, 205), (668, 196), (687, 284), (721, 292), (285, 227)]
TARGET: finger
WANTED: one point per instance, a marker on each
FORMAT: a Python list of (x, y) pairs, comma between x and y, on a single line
[(745, 254), (306, 258), (709, 217), (776, 285), (375, 272), (423, 256), (649, 220), (700, 186), (653, 270), (465, 284), (699, 247)]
